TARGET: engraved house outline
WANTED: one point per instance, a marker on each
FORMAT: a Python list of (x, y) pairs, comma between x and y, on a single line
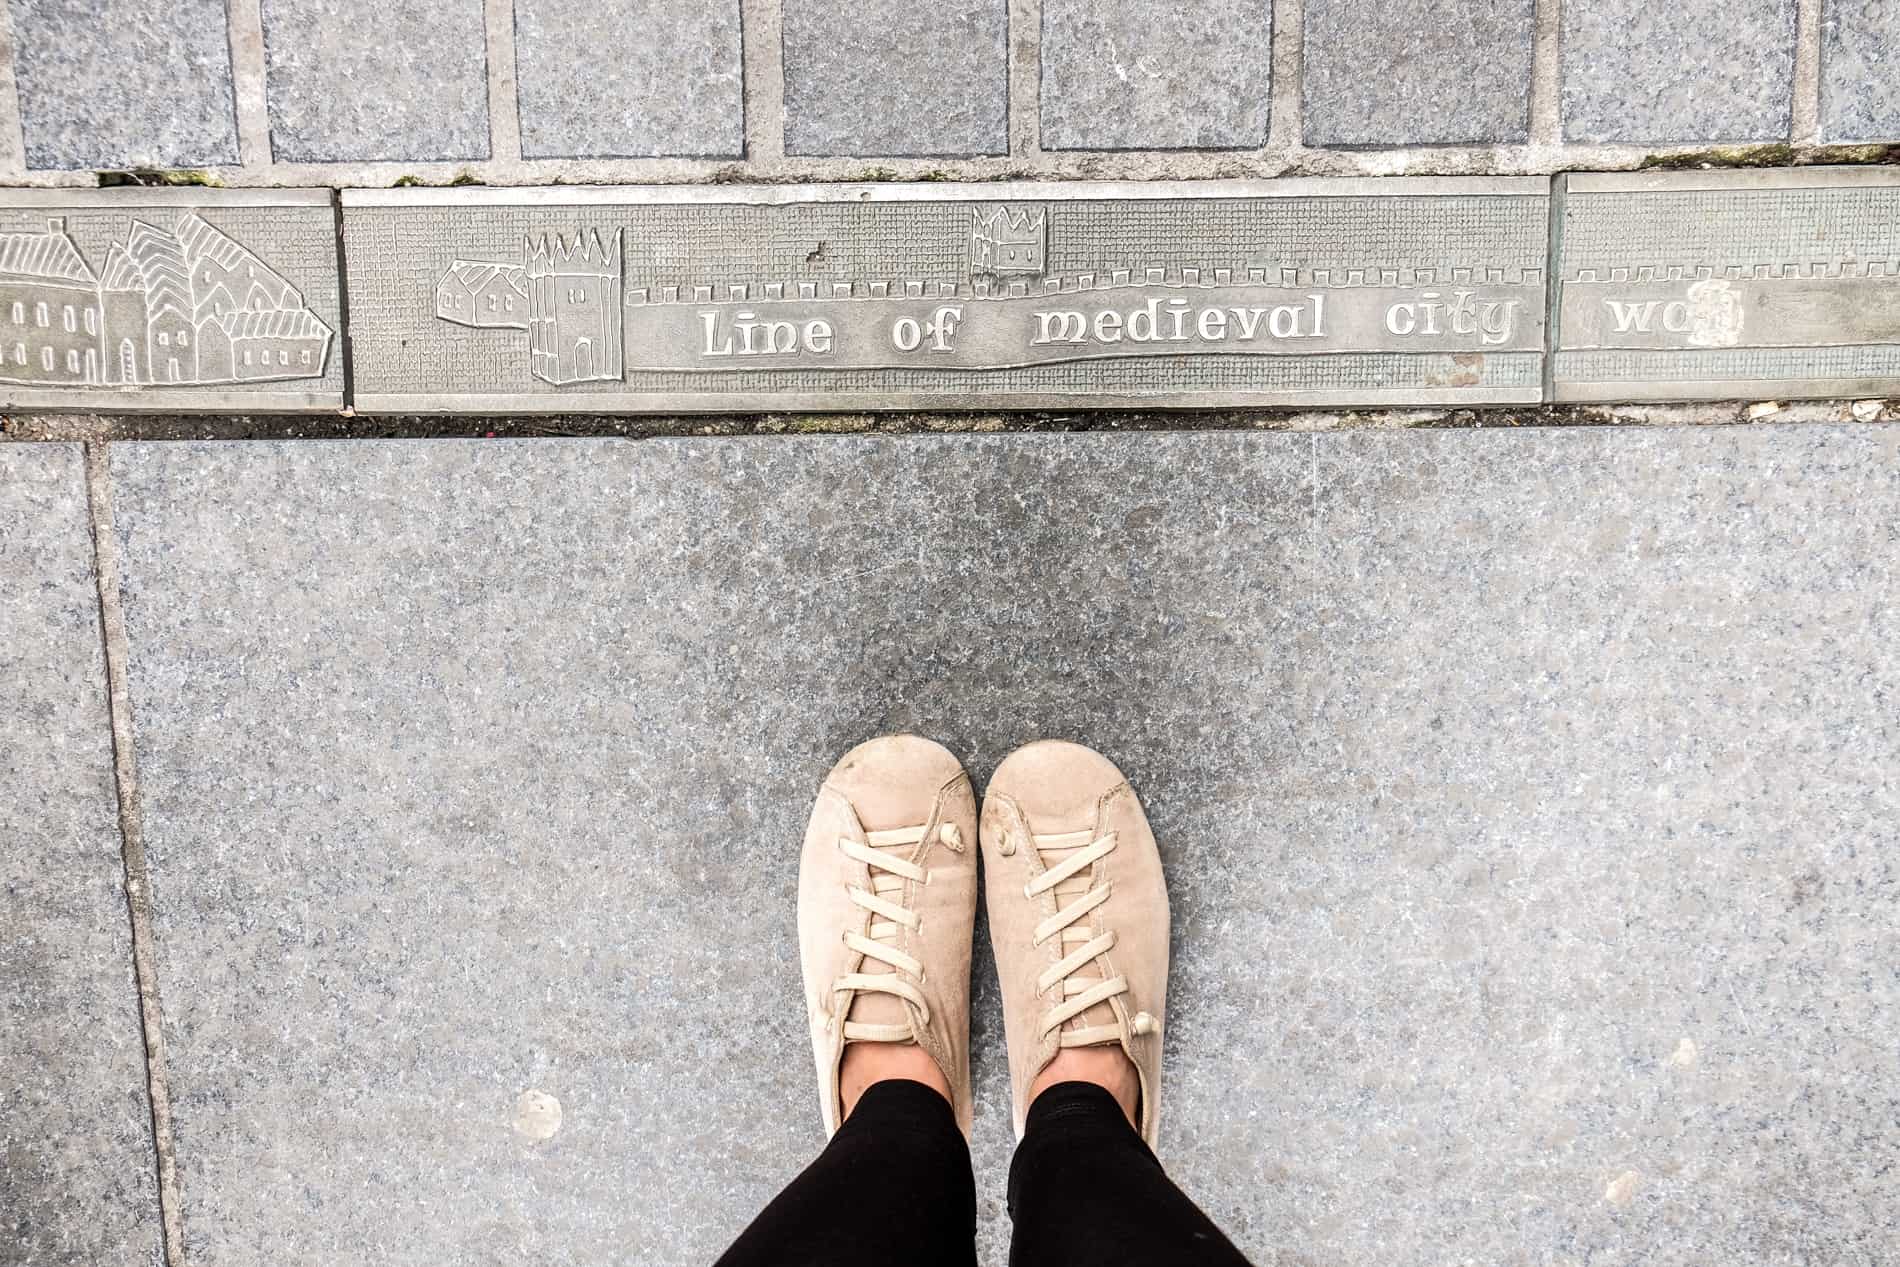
[(189, 305), (567, 296)]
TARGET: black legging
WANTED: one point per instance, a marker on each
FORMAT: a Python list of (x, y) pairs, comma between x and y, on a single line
[(894, 1186)]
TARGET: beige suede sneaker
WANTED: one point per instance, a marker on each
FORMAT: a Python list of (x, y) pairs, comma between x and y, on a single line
[(1078, 916), (886, 907)]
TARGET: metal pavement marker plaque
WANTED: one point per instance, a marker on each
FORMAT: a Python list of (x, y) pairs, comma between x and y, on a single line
[(947, 296), (169, 299), (1709, 285)]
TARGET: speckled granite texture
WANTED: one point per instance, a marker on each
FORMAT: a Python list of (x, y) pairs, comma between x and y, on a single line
[(1421, 72), (628, 78), (78, 1172), (1155, 74), (137, 83), (359, 79), (1700, 70), (1528, 800), (887, 77), (1860, 70)]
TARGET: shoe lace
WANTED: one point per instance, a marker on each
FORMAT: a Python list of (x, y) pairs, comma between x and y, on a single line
[(889, 874), (1068, 858)]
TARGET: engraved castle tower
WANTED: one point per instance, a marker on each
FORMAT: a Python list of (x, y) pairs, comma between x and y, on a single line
[(1009, 242), (574, 331)]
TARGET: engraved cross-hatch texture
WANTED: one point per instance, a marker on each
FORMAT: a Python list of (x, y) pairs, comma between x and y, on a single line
[(470, 297), (1716, 284)]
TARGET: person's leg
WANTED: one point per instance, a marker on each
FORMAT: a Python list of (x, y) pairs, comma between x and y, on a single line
[(893, 1185), (1084, 1188), (1079, 920), (886, 904)]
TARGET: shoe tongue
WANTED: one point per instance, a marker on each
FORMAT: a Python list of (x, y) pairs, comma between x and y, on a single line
[(875, 1007), (1068, 892)]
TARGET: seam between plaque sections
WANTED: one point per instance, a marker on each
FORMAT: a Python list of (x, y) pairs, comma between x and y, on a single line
[(346, 347), (1553, 282)]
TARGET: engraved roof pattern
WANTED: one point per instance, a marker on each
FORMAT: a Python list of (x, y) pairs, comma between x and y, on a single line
[(48, 254), (161, 262), (272, 323), (202, 241), (121, 273), (475, 274)]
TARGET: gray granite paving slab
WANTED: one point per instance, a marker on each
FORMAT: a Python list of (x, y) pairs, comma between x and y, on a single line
[(1701, 70), (1155, 75), (885, 77), (138, 83), (356, 80), (77, 1168), (1860, 71), (1528, 803), (1421, 72), (629, 78)]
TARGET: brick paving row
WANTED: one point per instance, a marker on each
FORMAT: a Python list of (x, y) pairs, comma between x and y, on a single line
[(286, 84)]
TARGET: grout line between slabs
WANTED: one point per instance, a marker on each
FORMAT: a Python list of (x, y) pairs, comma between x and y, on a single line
[(504, 96), (762, 90), (1804, 115), (138, 890), (1286, 128), (249, 90), (1024, 40), (12, 135), (1546, 113)]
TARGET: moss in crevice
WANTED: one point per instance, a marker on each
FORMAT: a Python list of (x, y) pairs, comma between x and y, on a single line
[(1850, 155), (157, 177), (1775, 155), (413, 181)]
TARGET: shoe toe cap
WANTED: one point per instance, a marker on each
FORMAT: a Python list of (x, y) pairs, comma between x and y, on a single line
[(1057, 785), (893, 781)]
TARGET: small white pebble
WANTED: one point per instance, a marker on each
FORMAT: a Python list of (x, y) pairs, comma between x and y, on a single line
[(1867, 410), (1685, 1054), (1622, 1189), (537, 1115), (1765, 409)]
